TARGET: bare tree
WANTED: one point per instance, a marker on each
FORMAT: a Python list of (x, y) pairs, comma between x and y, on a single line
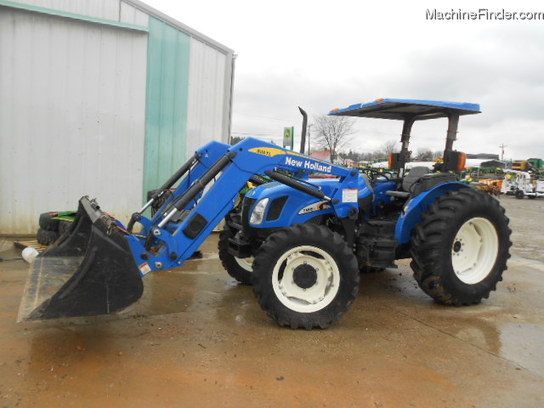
[(332, 132), (389, 147), (385, 150), (235, 139), (424, 154)]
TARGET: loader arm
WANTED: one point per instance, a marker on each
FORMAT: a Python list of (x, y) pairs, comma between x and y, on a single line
[(97, 268), (192, 170), (179, 231)]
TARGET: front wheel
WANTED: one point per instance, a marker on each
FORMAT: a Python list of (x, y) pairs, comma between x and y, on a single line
[(239, 268), (460, 247), (305, 276)]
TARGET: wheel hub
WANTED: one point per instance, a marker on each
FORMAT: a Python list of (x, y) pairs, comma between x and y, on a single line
[(474, 250), (305, 276), (457, 246), (306, 279)]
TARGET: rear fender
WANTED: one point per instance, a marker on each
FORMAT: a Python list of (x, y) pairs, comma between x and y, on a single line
[(413, 210)]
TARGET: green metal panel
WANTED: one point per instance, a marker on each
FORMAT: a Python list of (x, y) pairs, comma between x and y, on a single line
[(166, 106)]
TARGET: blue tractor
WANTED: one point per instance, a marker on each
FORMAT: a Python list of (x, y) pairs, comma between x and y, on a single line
[(300, 240)]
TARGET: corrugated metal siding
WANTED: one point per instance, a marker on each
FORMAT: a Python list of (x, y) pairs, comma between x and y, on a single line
[(132, 15), (166, 115), (71, 116), (140, 5), (113, 10), (206, 96), (106, 9)]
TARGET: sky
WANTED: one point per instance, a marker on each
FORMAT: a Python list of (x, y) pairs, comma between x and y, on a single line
[(322, 55)]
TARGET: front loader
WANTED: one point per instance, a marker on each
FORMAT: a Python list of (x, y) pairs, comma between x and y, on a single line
[(302, 239), (98, 266)]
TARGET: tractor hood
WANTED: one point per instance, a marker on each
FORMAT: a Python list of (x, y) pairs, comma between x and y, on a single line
[(286, 205)]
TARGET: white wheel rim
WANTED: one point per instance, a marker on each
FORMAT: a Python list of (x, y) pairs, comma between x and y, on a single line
[(474, 250), (320, 293), (245, 263)]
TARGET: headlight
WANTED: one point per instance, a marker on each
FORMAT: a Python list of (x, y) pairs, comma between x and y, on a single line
[(257, 216)]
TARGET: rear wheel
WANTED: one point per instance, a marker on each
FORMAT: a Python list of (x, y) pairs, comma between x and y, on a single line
[(519, 194), (460, 247), (305, 276)]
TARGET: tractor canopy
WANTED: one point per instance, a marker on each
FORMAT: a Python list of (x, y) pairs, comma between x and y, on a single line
[(401, 109), (409, 111)]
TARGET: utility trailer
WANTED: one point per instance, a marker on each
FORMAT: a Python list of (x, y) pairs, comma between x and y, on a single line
[(528, 185), (300, 241)]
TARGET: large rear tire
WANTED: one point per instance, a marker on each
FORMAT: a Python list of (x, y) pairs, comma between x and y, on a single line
[(460, 247), (305, 276)]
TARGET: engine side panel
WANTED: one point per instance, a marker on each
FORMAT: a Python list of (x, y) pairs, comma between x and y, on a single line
[(298, 207)]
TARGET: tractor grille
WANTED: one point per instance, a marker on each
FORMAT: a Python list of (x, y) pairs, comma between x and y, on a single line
[(247, 204), (275, 208)]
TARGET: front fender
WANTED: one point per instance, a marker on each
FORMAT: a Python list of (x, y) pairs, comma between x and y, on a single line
[(411, 214)]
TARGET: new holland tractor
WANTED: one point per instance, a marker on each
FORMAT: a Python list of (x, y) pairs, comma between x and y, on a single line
[(301, 240)]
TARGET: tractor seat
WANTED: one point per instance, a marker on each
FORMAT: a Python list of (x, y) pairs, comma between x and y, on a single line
[(408, 180)]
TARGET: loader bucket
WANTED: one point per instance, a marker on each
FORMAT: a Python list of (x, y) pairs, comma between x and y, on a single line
[(88, 271)]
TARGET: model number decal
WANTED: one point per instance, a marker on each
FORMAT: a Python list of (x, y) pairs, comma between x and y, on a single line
[(319, 206), (267, 151)]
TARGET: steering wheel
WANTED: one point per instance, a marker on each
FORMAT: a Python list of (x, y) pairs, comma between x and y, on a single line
[(375, 174)]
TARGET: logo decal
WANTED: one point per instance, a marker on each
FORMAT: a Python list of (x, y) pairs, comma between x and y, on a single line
[(308, 165)]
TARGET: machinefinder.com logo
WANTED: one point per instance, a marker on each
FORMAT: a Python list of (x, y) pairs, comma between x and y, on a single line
[(482, 14)]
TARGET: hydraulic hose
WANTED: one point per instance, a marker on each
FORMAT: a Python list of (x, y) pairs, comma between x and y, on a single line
[(198, 186), (167, 185), (297, 185)]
